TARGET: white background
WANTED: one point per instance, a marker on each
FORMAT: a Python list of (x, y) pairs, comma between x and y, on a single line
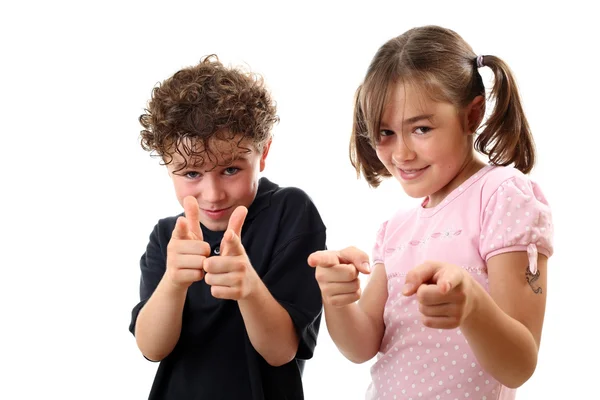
[(80, 196)]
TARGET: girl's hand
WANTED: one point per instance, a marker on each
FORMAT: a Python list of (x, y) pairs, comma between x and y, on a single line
[(337, 274), (444, 291)]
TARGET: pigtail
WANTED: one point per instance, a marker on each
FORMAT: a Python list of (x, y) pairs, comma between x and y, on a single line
[(362, 153), (506, 137)]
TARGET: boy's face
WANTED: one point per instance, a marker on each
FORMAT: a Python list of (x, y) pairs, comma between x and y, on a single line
[(219, 184)]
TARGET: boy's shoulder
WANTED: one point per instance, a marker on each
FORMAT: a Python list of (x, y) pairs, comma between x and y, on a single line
[(285, 206), (271, 194)]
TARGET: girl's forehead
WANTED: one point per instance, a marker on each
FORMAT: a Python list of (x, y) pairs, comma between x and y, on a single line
[(409, 99)]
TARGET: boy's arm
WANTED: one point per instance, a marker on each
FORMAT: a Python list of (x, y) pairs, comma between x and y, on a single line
[(270, 327), (157, 326)]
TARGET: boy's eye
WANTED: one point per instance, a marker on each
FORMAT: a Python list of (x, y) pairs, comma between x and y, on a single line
[(231, 171), (191, 174)]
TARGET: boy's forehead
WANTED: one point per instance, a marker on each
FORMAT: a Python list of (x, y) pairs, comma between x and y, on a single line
[(218, 152)]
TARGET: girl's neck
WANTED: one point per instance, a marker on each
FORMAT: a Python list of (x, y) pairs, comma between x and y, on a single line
[(469, 168)]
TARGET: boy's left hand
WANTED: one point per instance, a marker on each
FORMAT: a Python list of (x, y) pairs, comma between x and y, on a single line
[(444, 291), (230, 275)]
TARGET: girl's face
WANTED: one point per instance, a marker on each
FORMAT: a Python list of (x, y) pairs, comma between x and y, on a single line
[(427, 145)]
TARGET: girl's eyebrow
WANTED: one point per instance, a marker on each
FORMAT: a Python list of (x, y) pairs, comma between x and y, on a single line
[(411, 120), (414, 119)]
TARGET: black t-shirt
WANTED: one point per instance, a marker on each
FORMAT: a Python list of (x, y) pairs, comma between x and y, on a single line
[(214, 358)]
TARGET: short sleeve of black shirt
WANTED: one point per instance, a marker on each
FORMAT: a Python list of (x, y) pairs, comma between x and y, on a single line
[(282, 229)]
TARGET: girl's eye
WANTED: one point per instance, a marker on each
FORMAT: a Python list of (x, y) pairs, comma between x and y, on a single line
[(386, 132), (422, 130), (231, 171)]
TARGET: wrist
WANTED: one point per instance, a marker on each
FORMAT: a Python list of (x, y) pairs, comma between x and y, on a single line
[(474, 299), (172, 288), (256, 287)]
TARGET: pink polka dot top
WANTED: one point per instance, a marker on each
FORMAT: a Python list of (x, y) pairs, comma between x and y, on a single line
[(496, 210)]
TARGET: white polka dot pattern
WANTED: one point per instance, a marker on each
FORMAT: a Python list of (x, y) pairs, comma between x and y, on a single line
[(496, 210), (517, 216)]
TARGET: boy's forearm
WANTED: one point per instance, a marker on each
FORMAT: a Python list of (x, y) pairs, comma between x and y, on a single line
[(158, 324), (357, 337), (269, 326), (504, 347)]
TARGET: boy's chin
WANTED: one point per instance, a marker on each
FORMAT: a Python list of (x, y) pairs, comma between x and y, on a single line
[(215, 226)]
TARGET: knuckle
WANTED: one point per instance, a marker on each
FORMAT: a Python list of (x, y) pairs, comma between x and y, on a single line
[(428, 322), (321, 274)]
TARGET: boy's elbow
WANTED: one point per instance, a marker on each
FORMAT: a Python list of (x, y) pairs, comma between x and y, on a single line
[(154, 357), (278, 360), (150, 355)]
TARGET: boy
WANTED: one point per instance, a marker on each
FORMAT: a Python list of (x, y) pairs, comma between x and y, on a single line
[(228, 305)]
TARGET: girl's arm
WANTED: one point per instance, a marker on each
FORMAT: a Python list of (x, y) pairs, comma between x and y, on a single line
[(357, 328), (504, 327)]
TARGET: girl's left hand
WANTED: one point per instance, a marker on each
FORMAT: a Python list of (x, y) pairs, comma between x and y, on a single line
[(444, 291)]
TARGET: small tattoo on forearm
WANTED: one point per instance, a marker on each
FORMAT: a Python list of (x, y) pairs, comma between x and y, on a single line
[(531, 278)]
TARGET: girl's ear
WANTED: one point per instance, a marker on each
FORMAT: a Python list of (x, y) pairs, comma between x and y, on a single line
[(474, 113)]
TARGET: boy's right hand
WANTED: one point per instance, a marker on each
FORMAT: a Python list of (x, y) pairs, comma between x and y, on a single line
[(337, 274), (187, 249)]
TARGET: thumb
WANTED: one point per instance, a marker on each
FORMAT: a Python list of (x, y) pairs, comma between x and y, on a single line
[(192, 213), (181, 231), (236, 220), (231, 245), (357, 257), (419, 275)]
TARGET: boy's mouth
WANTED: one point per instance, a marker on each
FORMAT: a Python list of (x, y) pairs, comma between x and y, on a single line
[(216, 213)]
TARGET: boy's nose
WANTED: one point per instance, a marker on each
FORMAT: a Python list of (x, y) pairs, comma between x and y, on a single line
[(211, 192)]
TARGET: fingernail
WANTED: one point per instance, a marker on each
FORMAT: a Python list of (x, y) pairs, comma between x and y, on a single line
[(367, 266), (408, 287)]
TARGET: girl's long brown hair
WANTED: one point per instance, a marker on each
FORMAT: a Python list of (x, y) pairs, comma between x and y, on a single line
[(441, 63)]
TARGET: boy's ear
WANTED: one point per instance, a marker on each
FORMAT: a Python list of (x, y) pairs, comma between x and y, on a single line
[(265, 152), (474, 113)]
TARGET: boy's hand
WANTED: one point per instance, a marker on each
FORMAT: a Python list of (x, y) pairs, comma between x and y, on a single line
[(231, 275), (337, 274), (443, 291), (186, 250)]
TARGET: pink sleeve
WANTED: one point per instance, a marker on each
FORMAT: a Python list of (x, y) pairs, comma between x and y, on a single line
[(517, 218), (378, 248)]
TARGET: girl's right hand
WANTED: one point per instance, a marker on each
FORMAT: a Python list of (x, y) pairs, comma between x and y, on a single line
[(186, 250), (337, 274)]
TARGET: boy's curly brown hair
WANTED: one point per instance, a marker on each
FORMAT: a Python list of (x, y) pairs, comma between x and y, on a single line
[(203, 102)]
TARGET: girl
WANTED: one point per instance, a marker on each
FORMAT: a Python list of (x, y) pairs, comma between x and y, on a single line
[(455, 304)]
